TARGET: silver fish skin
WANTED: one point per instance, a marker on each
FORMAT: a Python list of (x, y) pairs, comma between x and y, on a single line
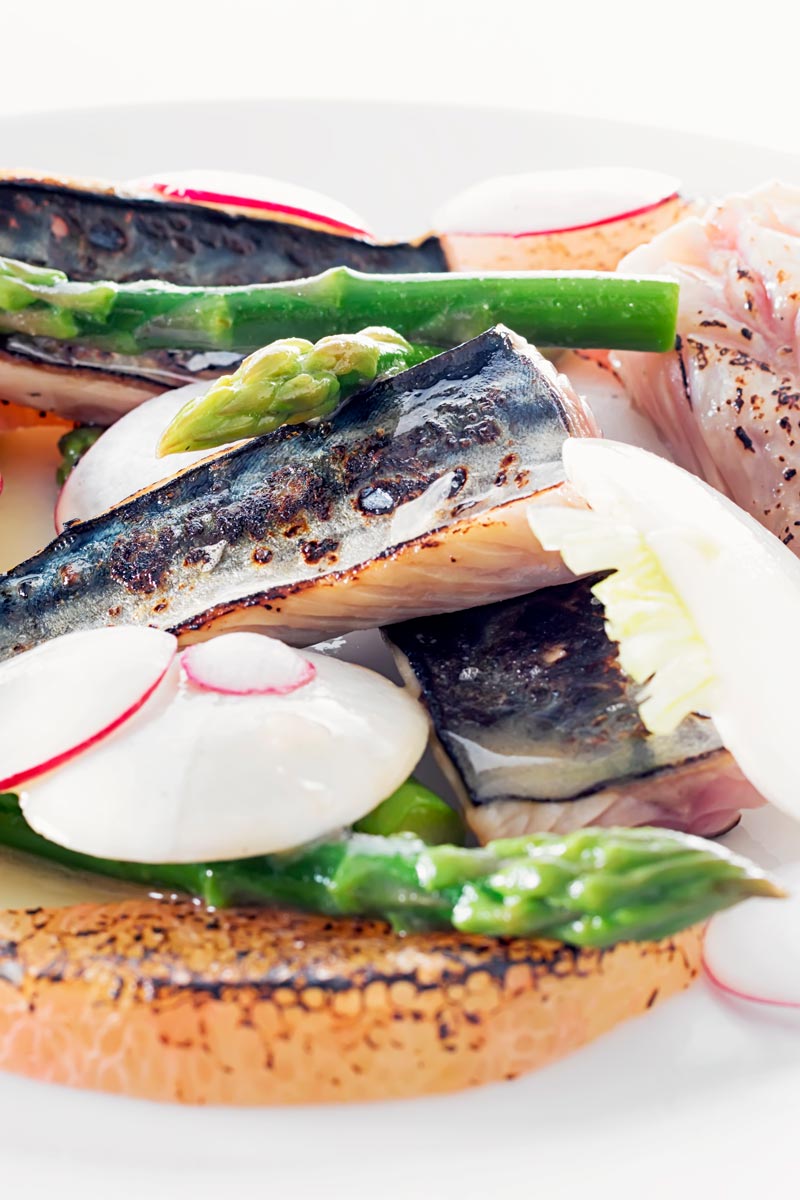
[(96, 230), (412, 499), (538, 728), (97, 387)]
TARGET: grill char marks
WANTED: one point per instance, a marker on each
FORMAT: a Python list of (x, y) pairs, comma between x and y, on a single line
[(526, 655), (429, 442), (251, 1006)]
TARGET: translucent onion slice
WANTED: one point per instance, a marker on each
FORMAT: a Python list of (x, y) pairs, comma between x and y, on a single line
[(546, 202), (123, 461), (71, 692), (259, 194), (199, 775), (714, 628), (753, 951)]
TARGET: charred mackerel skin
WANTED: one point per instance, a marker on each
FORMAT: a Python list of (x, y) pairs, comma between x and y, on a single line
[(538, 670), (539, 726), (100, 234), (251, 1006), (284, 521)]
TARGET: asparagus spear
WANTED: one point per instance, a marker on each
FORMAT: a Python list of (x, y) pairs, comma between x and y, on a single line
[(569, 309), (593, 887), (413, 808), (289, 381)]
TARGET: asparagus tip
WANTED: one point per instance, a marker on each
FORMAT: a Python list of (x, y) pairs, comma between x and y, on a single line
[(764, 886)]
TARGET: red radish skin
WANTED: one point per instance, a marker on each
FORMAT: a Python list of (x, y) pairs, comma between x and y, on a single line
[(200, 196), (202, 669), (258, 195), (623, 216), (752, 952), (58, 759), (231, 776), (739, 995), (27, 709)]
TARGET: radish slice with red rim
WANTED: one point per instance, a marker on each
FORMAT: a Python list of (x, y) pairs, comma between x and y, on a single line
[(547, 202), (752, 951), (238, 665), (273, 198), (66, 695), (199, 775)]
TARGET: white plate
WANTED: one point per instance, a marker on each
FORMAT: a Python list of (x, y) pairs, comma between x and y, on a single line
[(701, 1097)]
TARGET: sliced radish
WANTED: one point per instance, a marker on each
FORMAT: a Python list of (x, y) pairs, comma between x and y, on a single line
[(273, 198), (201, 775), (700, 600), (238, 665), (546, 202), (753, 951), (123, 461), (557, 220), (68, 694)]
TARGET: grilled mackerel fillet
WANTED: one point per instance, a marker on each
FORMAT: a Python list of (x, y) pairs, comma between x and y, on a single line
[(538, 728), (412, 499)]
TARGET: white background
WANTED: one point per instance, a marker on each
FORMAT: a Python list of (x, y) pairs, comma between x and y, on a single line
[(730, 69)]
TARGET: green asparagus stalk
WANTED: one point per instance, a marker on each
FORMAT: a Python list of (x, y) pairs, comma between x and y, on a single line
[(570, 309), (593, 887), (289, 381), (72, 447), (413, 808)]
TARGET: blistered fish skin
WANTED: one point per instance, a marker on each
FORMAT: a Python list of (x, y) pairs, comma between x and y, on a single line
[(411, 499), (98, 232)]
